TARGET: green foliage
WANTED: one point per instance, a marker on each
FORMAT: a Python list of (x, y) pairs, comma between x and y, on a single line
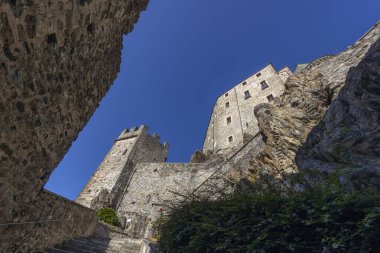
[(107, 215), (320, 219), (157, 226)]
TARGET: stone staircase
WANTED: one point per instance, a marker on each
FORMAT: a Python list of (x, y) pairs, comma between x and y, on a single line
[(98, 245)]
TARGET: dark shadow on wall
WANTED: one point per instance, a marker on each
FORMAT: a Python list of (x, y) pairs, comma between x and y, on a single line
[(349, 134)]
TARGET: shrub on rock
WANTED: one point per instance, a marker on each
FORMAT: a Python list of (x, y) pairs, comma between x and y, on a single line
[(107, 215)]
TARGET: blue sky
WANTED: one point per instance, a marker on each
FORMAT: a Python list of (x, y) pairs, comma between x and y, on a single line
[(183, 54)]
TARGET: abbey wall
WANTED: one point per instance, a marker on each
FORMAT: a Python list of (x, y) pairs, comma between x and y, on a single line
[(151, 187), (233, 120), (154, 188), (48, 93), (132, 147), (135, 180)]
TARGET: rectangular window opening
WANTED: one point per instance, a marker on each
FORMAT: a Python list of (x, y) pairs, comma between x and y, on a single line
[(244, 83), (228, 120), (258, 74), (227, 104), (264, 85), (230, 139), (247, 94), (270, 98)]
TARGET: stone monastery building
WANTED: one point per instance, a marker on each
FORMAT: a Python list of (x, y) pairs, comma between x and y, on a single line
[(49, 92), (135, 179), (233, 119)]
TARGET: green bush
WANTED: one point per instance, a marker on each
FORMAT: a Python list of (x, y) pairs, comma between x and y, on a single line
[(322, 219), (156, 227), (107, 215)]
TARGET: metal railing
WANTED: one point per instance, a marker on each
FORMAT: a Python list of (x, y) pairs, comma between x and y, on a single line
[(220, 167), (41, 221)]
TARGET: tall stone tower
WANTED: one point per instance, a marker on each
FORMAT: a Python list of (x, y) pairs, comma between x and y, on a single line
[(110, 181), (233, 120)]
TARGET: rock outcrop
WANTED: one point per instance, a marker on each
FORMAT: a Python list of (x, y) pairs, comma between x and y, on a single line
[(328, 117), (349, 134), (285, 125), (198, 157)]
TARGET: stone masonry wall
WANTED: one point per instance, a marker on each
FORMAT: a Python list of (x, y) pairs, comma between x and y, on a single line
[(108, 183), (59, 219), (57, 61), (147, 149), (232, 173), (109, 170), (154, 187), (234, 104), (285, 73)]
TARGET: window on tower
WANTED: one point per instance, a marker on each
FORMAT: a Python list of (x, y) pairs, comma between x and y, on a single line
[(228, 120), (230, 139), (227, 104), (270, 98), (258, 74), (264, 85), (226, 95), (247, 94), (244, 83)]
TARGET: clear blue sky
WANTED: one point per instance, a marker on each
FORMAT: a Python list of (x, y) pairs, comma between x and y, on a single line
[(183, 54)]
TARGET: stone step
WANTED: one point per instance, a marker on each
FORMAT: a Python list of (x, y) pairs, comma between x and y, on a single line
[(69, 248), (74, 247), (120, 244), (97, 245), (55, 250), (105, 241), (96, 249)]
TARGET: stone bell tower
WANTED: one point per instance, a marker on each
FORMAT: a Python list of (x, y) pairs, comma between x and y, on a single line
[(110, 181)]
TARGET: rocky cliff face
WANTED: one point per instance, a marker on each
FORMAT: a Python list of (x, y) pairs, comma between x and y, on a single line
[(286, 124), (349, 133), (328, 116)]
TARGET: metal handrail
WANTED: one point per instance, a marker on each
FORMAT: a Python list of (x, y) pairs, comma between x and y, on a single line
[(43, 221), (220, 167)]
